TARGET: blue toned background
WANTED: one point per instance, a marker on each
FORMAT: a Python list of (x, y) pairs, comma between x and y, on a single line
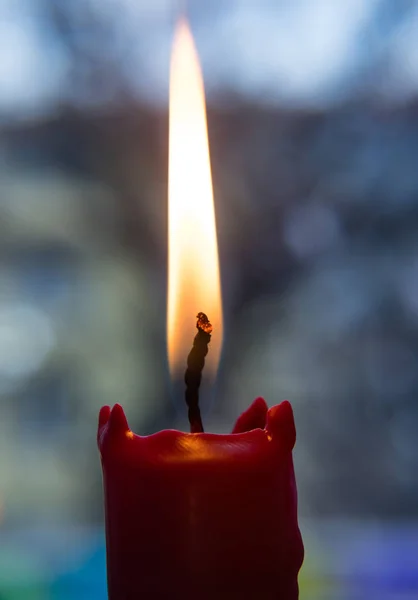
[(313, 123)]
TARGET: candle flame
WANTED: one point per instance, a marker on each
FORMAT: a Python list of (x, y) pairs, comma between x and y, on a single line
[(193, 266)]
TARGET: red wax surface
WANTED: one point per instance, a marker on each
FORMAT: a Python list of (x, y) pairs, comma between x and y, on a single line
[(202, 516)]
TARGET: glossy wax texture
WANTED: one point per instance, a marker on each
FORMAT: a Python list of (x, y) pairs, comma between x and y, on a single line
[(202, 516)]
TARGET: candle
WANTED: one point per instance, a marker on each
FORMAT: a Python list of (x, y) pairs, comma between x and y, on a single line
[(198, 516), (202, 516)]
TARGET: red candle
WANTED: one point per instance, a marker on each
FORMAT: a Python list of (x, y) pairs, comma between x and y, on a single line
[(198, 516), (202, 516)]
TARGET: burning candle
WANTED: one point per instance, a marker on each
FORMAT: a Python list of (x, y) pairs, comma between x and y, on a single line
[(198, 515)]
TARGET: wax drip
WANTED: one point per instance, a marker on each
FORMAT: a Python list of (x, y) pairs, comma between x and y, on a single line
[(193, 374)]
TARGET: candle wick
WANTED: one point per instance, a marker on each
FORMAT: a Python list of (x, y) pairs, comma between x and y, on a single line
[(193, 374)]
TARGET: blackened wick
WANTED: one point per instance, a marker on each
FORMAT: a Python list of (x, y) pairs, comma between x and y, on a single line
[(193, 375)]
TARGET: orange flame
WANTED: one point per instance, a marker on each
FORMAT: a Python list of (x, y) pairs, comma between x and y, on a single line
[(193, 266)]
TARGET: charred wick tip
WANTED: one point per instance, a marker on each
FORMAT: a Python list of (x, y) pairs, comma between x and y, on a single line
[(203, 323), (193, 375)]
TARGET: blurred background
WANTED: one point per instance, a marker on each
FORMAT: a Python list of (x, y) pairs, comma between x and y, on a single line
[(313, 124)]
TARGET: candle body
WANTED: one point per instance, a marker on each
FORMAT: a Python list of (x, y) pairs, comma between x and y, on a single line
[(201, 516)]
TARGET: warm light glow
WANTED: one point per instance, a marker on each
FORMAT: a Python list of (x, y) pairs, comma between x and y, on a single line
[(193, 267)]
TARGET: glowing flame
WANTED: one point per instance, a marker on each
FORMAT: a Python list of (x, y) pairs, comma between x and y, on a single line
[(193, 267)]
